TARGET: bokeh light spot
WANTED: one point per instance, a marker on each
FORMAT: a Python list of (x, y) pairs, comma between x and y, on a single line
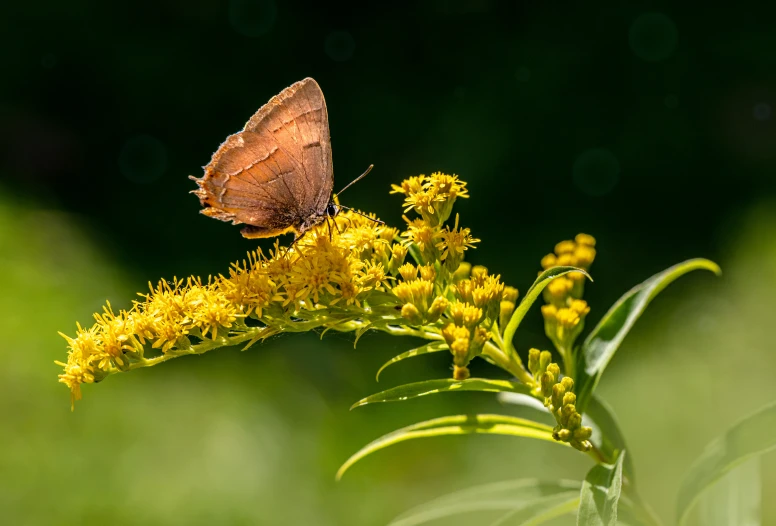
[(596, 171), (762, 111), (143, 159), (653, 37), (340, 46), (252, 18)]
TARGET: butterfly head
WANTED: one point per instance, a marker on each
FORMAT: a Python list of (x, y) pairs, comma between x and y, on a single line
[(332, 209)]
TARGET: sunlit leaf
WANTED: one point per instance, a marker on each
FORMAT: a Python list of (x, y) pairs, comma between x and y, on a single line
[(599, 347), (600, 494), (749, 438), (425, 349), (508, 496), (736, 498), (442, 385), (456, 425), (540, 510), (607, 435), (538, 286)]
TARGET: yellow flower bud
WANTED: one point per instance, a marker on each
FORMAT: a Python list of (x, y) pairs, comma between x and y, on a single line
[(506, 308), (565, 247), (585, 239), (567, 260), (460, 373), (584, 256), (427, 272), (410, 313), (438, 307), (533, 362), (463, 271), (549, 261)]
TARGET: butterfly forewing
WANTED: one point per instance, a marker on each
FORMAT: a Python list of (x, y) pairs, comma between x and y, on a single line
[(276, 174)]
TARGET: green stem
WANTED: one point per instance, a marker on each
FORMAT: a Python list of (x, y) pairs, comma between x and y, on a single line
[(510, 363), (200, 348)]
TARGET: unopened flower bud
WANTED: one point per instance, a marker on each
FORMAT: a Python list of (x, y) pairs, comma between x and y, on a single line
[(506, 308), (533, 361), (583, 433), (460, 350), (568, 383), (427, 272), (438, 306), (460, 373), (549, 261), (463, 271), (585, 239), (552, 368), (564, 435), (565, 247), (545, 357), (478, 341), (569, 398), (557, 395), (510, 294), (408, 272), (547, 381), (410, 313), (574, 420)]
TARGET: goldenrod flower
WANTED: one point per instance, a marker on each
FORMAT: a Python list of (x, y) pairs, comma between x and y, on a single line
[(454, 242)]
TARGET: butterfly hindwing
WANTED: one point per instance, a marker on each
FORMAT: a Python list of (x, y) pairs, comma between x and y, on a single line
[(276, 174)]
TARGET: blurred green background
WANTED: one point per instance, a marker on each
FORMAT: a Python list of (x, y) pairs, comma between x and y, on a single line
[(649, 125)]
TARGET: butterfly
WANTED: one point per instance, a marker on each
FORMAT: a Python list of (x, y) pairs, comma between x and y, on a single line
[(275, 176)]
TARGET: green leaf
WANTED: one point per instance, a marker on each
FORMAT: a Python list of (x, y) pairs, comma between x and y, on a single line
[(749, 438), (736, 498), (609, 439), (541, 510), (443, 385), (511, 496), (600, 494), (538, 286), (425, 349), (599, 347), (456, 425)]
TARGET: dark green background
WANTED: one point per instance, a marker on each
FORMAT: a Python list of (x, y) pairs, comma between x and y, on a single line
[(649, 125)]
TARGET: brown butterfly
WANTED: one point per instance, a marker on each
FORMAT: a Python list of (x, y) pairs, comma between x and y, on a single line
[(276, 174)]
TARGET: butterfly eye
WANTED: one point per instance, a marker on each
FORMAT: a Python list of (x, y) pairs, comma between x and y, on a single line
[(332, 210)]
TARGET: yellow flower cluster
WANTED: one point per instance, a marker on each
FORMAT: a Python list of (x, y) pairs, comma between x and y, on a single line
[(349, 276), (565, 311), (559, 399)]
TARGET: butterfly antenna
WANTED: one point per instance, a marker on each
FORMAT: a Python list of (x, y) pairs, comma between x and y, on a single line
[(363, 215), (357, 179)]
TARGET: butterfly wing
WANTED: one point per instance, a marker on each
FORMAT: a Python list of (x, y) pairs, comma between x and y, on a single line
[(276, 173)]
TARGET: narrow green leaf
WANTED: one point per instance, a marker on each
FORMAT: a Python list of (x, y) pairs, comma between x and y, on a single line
[(609, 439), (442, 385), (512, 495), (540, 510), (425, 349), (456, 425), (601, 344), (736, 498), (749, 438), (600, 494), (538, 286)]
